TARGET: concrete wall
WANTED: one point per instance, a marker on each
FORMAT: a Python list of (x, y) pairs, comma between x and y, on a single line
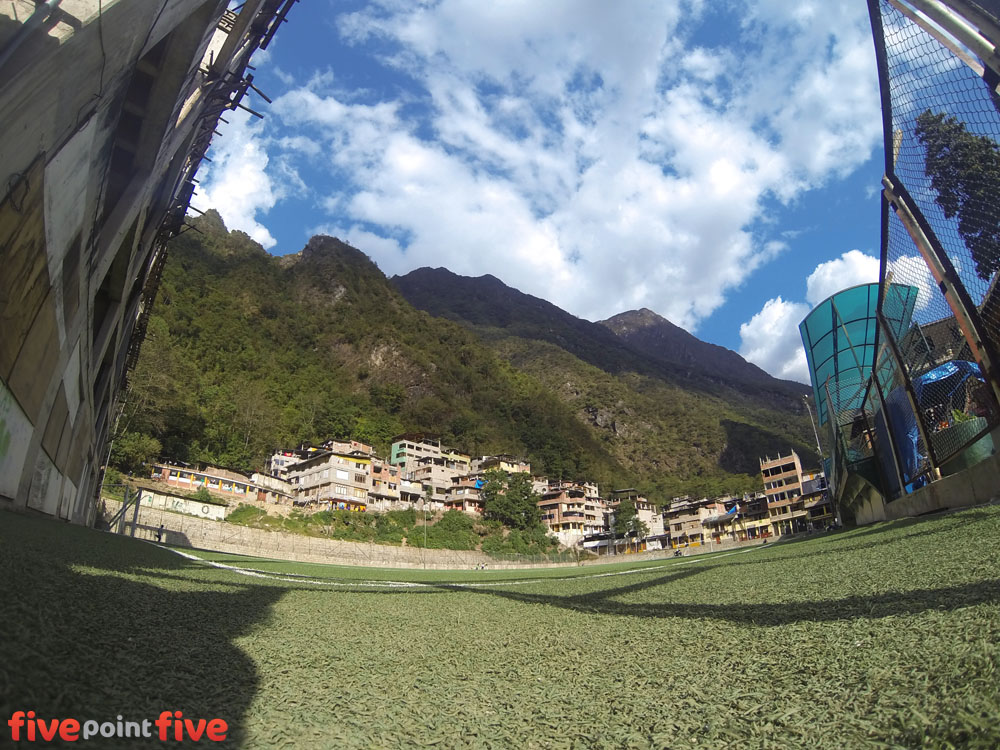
[(150, 499), (974, 486), (107, 111)]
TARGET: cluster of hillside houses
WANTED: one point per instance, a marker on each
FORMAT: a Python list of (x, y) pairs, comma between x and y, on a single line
[(422, 474)]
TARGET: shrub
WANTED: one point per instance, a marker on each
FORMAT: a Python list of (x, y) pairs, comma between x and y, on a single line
[(406, 519), (246, 515)]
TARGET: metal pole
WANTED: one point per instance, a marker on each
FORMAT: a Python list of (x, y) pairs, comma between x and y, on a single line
[(958, 27), (135, 512), (819, 450), (943, 39), (911, 396), (121, 518)]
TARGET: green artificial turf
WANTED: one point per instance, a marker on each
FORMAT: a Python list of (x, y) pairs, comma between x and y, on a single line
[(881, 637)]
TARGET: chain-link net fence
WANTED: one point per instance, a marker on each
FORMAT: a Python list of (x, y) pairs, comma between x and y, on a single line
[(942, 123)]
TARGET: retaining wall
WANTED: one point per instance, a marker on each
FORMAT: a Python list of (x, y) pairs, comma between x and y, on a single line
[(189, 531)]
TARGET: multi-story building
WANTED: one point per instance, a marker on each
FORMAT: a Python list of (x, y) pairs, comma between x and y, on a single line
[(281, 462), (223, 483), (796, 501), (334, 481), (648, 512), (683, 518), (504, 462), (276, 490), (349, 446), (571, 513), (782, 477), (411, 494), (456, 460), (816, 500), (465, 494), (409, 448), (384, 493), (435, 475), (783, 488), (753, 520), (108, 109), (721, 525)]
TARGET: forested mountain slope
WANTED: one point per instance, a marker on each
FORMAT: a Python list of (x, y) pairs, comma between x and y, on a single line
[(247, 352)]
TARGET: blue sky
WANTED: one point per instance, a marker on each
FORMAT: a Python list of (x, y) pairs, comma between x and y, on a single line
[(716, 162)]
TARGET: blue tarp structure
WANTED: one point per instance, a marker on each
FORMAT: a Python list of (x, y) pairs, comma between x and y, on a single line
[(907, 434), (944, 381)]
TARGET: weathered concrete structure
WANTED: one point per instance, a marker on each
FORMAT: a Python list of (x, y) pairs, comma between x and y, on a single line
[(108, 109)]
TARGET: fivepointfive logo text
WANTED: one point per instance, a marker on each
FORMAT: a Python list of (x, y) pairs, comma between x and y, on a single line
[(168, 726)]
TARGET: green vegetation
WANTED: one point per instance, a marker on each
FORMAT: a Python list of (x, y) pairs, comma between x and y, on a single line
[(510, 499), (132, 451), (674, 441), (627, 521), (452, 530), (882, 637), (965, 171), (534, 542)]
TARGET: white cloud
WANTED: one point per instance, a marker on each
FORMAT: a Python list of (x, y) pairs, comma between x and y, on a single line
[(850, 269), (770, 339), (912, 270), (236, 182), (587, 155)]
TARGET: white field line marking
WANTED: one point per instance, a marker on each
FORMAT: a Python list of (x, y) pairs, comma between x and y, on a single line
[(300, 578), (630, 571), (257, 574)]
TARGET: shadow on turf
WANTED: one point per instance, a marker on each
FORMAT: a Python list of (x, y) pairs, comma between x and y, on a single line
[(785, 613), (81, 641), (841, 541)]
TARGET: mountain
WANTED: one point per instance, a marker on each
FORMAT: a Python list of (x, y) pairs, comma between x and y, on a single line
[(657, 396), (487, 303), (665, 342), (638, 341), (247, 352)]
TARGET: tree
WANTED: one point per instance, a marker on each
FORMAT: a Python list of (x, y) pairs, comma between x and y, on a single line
[(202, 495), (627, 521), (133, 450), (965, 171), (510, 499)]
